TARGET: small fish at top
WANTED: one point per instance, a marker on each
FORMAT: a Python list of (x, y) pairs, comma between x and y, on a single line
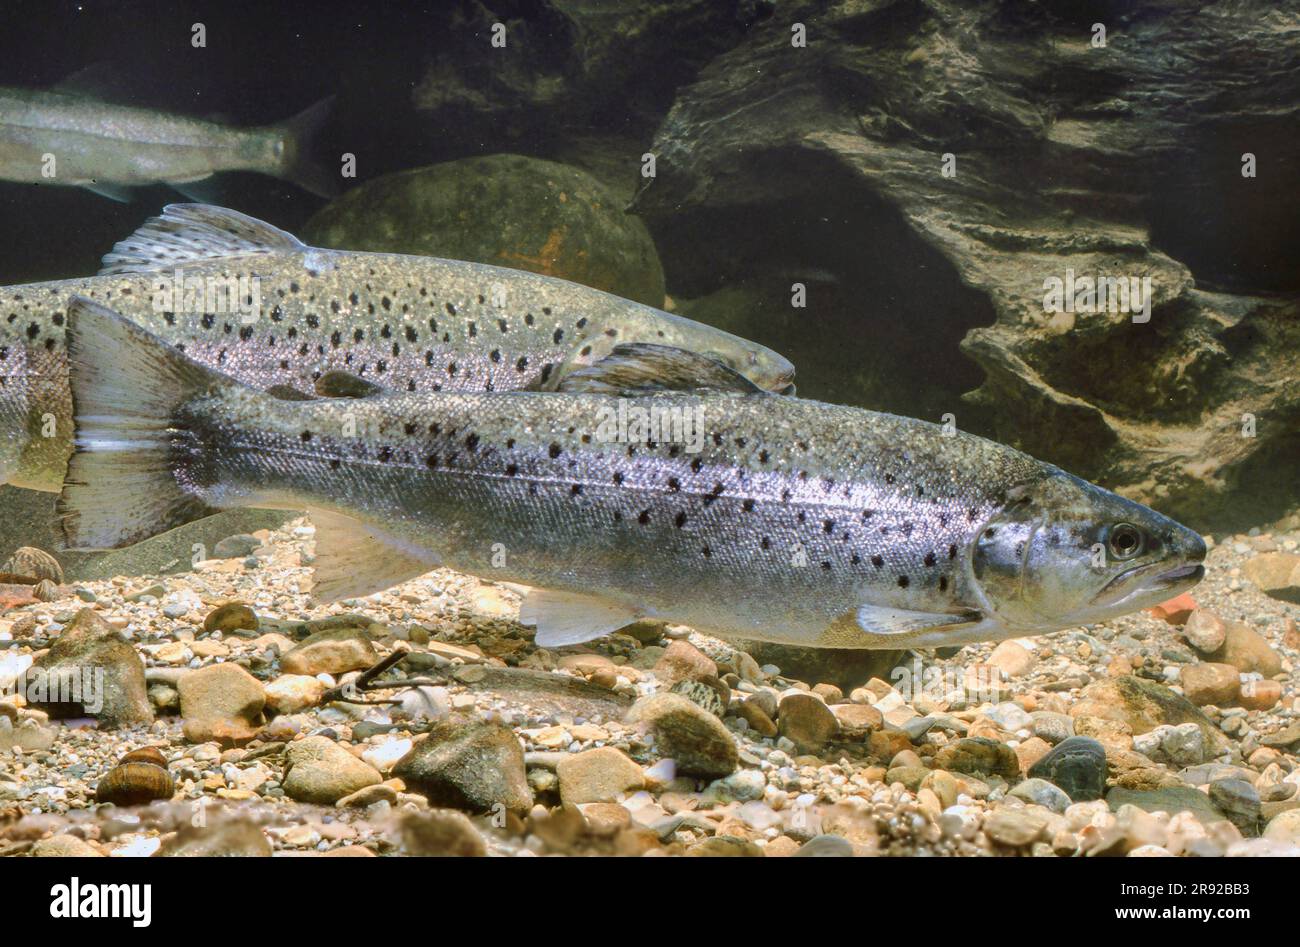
[(68, 136)]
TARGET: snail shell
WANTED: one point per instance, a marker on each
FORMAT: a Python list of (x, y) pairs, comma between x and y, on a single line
[(45, 591), (146, 754), (135, 783), (232, 616), (34, 563)]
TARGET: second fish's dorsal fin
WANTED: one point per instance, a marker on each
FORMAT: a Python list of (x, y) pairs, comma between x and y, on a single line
[(644, 367), (190, 233)]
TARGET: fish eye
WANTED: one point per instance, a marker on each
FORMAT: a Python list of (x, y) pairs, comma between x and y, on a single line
[(1124, 541)]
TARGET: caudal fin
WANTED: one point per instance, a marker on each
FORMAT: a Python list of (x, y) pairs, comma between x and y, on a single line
[(297, 135), (127, 389)]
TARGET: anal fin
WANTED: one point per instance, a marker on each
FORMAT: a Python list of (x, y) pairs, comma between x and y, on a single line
[(354, 560), (569, 618)]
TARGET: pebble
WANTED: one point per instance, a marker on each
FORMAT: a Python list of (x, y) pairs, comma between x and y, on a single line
[(1077, 765), (694, 739), (806, 721), (600, 775), (321, 771), (470, 764)]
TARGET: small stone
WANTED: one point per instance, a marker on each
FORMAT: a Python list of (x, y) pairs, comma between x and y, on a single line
[(321, 771), (702, 694), (1284, 827), (1205, 631), (1077, 765), (65, 846), (225, 837), (695, 739), (221, 692), (829, 693), (682, 661), (471, 764), (752, 713), (600, 775), (1208, 683), (1014, 827), (441, 833), (1176, 611), (332, 651), (1040, 792), (724, 846), (1012, 658), (368, 796), (806, 721), (1277, 574), (1247, 650), (233, 616), (236, 547), (1239, 801), (291, 693), (979, 755), (858, 716), (1260, 694), (1171, 799)]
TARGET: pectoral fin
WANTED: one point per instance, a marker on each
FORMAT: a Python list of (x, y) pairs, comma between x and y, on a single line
[(569, 618), (878, 620), (354, 560), (644, 367)]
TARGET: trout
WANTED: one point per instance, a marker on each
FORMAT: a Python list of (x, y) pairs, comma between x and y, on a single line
[(243, 296), (739, 513)]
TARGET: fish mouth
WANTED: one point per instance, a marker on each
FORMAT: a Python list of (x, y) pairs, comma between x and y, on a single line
[(1142, 581)]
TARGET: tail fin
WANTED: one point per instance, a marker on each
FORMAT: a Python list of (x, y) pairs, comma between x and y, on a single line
[(127, 386), (298, 166)]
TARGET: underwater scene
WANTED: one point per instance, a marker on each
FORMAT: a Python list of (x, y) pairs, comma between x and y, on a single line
[(649, 428)]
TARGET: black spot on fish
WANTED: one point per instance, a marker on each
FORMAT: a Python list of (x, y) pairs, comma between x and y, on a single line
[(473, 329), (748, 506), (559, 334), (889, 478), (679, 520), (472, 443), (335, 463), (451, 310), (495, 355), (903, 581), (618, 477), (512, 469), (943, 583), (503, 326), (952, 552), (706, 552), (763, 456), (576, 489), (554, 450), (674, 484), (878, 561), (581, 323), (644, 517), (828, 526), (929, 559), (696, 465), (522, 364), (431, 461), (411, 334)]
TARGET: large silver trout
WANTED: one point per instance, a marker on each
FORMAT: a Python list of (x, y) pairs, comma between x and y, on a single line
[(743, 515)]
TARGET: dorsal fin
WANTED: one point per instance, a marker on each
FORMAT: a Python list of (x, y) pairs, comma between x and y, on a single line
[(187, 233), (642, 367)]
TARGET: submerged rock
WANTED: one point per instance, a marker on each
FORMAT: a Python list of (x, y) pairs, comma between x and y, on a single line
[(89, 645), (788, 158), (473, 765), (507, 210)]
